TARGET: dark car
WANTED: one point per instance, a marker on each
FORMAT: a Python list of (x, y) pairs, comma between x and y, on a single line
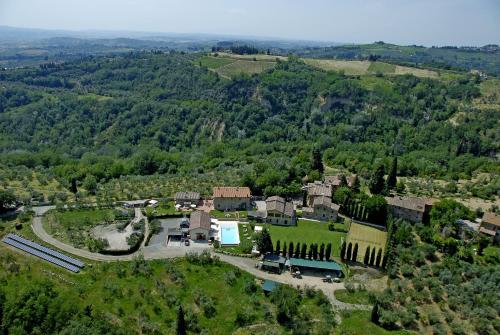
[(186, 242)]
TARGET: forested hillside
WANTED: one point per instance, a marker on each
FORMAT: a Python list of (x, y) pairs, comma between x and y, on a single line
[(153, 112)]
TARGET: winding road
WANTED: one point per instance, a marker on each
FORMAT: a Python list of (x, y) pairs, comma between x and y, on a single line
[(162, 252)]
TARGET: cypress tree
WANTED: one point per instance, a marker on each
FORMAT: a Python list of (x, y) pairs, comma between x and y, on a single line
[(297, 251), (392, 176), (379, 258), (356, 186), (377, 182), (315, 251), (367, 256), (342, 251), (290, 250), (321, 251), (284, 249), (355, 253), (349, 252), (181, 323), (372, 257), (317, 160), (328, 251), (303, 251), (309, 254), (278, 247)]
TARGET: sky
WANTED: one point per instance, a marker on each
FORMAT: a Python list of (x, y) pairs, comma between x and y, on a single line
[(421, 22)]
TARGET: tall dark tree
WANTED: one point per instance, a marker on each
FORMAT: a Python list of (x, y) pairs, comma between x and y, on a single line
[(392, 176), (181, 322), (315, 251), (303, 251), (296, 254), (317, 160), (367, 256), (321, 253), (73, 188), (355, 253), (348, 253), (278, 247), (310, 252), (290, 250), (264, 242), (356, 185), (284, 251), (342, 251), (377, 182), (328, 251), (372, 257), (379, 258), (343, 180)]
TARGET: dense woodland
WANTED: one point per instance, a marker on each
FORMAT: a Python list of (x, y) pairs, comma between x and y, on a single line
[(153, 112)]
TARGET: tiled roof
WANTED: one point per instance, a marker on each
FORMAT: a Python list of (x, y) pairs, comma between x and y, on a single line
[(315, 189), (199, 219), (187, 195), (325, 201), (491, 218), (231, 192), (276, 203), (412, 203)]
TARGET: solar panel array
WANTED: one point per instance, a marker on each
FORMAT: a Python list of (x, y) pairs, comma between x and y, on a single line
[(44, 253), (48, 251)]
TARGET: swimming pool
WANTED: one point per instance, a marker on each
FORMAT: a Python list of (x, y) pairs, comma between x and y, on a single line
[(229, 234)]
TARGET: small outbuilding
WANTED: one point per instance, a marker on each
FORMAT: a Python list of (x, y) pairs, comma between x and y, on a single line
[(273, 263), (269, 286), (299, 263), (199, 225), (187, 198)]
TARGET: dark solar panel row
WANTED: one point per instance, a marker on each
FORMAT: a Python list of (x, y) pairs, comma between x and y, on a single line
[(40, 254), (46, 250)]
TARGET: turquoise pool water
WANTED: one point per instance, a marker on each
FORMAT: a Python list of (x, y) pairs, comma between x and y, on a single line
[(229, 234)]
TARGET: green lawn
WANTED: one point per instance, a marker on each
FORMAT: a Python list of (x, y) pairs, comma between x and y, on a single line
[(225, 215), (356, 297), (307, 232), (73, 226), (358, 323), (215, 62), (163, 208)]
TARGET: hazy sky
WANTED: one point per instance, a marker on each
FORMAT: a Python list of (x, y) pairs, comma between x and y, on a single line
[(427, 22)]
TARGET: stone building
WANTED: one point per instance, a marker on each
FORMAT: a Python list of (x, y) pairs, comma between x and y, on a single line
[(412, 209), (231, 198), (280, 211), (322, 209)]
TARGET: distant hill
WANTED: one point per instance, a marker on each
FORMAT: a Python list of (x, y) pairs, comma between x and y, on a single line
[(485, 58)]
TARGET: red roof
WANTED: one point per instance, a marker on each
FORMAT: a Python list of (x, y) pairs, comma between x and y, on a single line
[(231, 192)]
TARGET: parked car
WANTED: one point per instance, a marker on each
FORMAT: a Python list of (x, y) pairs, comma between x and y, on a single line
[(186, 242)]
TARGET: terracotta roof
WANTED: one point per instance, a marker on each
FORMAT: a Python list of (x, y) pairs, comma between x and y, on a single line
[(412, 203), (187, 195), (325, 201), (315, 189), (333, 180), (487, 231), (491, 218), (231, 192), (199, 219), (276, 203)]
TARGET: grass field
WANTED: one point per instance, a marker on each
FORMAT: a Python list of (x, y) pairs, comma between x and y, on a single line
[(244, 66), (139, 294), (163, 208), (358, 323), (366, 236), (356, 297), (307, 232), (74, 226), (379, 67), (215, 62), (349, 67)]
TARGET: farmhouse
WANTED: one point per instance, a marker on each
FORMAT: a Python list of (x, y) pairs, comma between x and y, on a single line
[(187, 198), (199, 225), (336, 181), (231, 198), (317, 189), (322, 209), (366, 244), (412, 209), (280, 211), (490, 226)]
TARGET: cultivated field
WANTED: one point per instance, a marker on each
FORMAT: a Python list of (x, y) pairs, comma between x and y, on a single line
[(244, 66), (349, 67), (307, 232)]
